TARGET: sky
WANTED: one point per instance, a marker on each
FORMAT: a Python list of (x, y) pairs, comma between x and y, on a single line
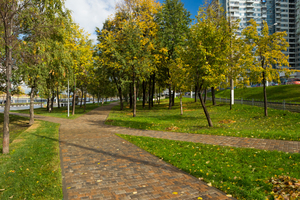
[(92, 13)]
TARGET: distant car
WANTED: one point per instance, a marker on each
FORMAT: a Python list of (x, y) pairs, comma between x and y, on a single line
[(293, 81)]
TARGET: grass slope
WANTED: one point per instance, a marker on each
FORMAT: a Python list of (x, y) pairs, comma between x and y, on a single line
[(244, 173), (16, 126), (32, 169), (289, 93), (63, 111), (242, 121)]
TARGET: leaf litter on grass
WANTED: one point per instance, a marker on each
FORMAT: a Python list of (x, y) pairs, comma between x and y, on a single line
[(285, 187)]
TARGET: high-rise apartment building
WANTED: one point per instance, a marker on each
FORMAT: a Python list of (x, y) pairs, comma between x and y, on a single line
[(280, 15), (298, 34)]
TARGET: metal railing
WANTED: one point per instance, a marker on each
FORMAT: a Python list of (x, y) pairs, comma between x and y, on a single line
[(280, 105)]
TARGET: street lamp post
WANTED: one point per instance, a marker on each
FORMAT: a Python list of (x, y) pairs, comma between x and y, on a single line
[(68, 100)]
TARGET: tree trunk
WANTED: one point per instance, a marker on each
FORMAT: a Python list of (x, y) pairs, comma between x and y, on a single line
[(159, 95), (8, 24), (213, 95), (81, 97), (205, 110), (8, 63), (205, 95), (85, 101), (149, 93), (93, 99), (48, 103), (57, 94), (98, 97), (52, 100), (73, 102), (126, 98), (173, 97), (231, 93), (153, 90), (130, 95), (121, 99), (31, 120), (134, 96), (170, 97), (137, 90), (181, 108), (144, 94), (265, 95), (196, 89)]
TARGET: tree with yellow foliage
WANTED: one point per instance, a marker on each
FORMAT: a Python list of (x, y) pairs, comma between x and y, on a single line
[(206, 52), (129, 44), (81, 50), (268, 59)]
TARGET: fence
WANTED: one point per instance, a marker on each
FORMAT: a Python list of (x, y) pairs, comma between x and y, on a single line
[(280, 105)]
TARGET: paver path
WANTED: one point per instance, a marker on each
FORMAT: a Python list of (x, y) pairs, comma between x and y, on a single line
[(96, 164), (265, 144)]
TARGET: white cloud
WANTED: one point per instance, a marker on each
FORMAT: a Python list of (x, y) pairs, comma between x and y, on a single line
[(90, 14)]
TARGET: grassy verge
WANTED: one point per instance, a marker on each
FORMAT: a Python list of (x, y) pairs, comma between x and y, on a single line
[(32, 169), (242, 121), (16, 126), (241, 172), (63, 111), (289, 93)]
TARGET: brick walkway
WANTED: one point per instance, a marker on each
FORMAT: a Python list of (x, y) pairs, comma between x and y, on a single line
[(265, 144), (96, 164)]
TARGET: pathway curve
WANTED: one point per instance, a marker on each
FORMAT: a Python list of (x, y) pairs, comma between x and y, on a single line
[(265, 144), (97, 164)]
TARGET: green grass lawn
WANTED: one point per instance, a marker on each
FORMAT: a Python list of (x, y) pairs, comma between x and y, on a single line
[(16, 126), (63, 111), (32, 169), (242, 121), (289, 93), (244, 173)]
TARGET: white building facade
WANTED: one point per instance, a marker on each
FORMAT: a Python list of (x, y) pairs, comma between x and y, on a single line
[(280, 15)]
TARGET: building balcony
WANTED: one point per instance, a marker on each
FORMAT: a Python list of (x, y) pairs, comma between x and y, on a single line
[(250, 6), (250, 11)]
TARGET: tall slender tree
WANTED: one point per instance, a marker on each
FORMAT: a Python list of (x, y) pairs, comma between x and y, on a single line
[(173, 23), (268, 59), (18, 18), (206, 52)]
